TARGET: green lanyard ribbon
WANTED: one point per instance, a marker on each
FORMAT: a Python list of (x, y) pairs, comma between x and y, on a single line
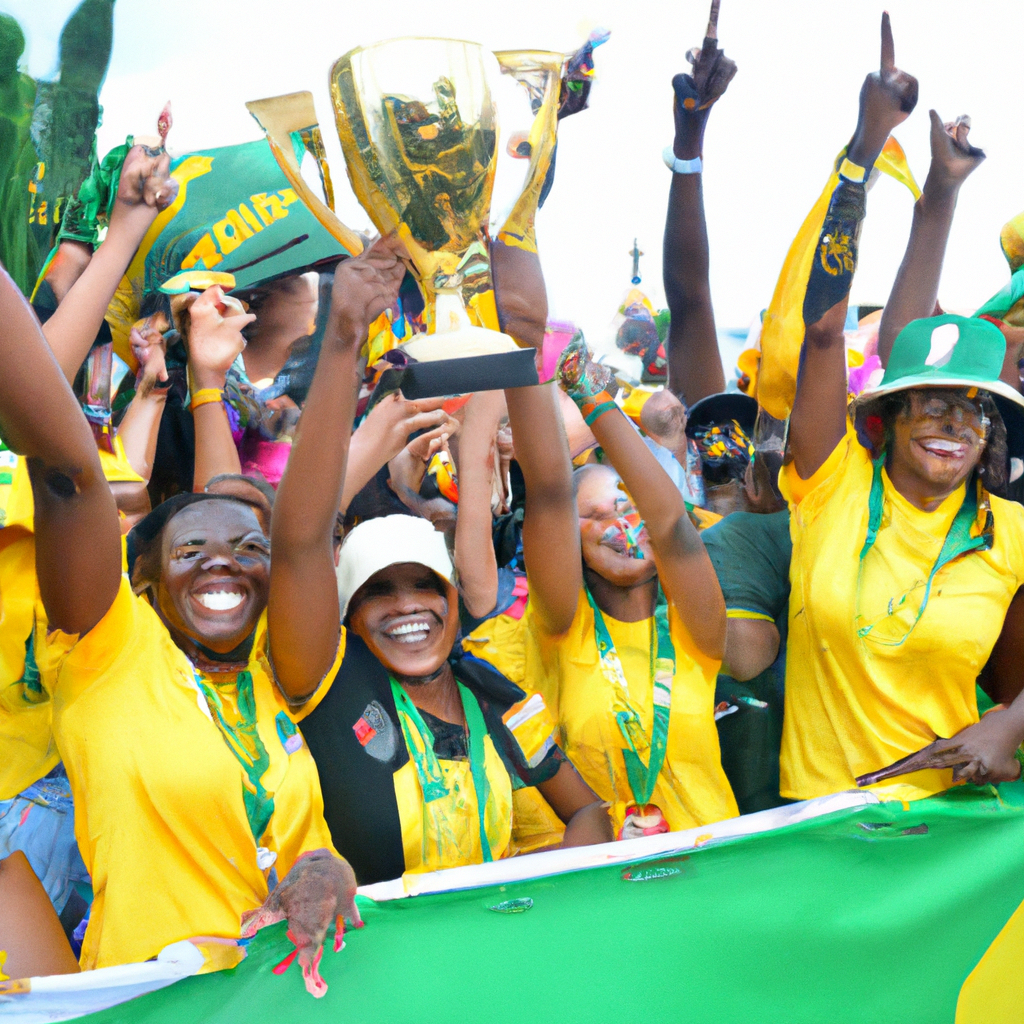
[(642, 778), (959, 541), (420, 742), (241, 734)]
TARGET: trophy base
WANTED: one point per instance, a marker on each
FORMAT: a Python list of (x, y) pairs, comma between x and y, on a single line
[(491, 372)]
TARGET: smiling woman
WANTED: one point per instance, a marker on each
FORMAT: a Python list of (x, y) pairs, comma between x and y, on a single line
[(429, 759), (904, 556), (205, 563), (175, 695)]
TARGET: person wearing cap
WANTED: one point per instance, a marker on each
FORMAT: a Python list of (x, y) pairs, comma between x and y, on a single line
[(421, 750), (906, 565), (177, 694)]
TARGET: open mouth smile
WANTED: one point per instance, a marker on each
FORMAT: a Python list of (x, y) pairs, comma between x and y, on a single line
[(944, 448), (409, 630), (222, 598)]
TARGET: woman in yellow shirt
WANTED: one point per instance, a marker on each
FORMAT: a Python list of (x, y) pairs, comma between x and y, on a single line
[(906, 568), (193, 788), (624, 639)]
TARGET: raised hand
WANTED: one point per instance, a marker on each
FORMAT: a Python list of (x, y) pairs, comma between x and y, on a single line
[(408, 468), (579, 376), (394, 418), (150, 349), (214, 335), (145, 181), (982, 753), (953, 157), (363, 288), (696, 92), (887, 98)]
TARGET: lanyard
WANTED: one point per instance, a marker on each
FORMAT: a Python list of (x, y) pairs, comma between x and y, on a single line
[(642, 778), (238, 727), (420, 742), (959, 541)]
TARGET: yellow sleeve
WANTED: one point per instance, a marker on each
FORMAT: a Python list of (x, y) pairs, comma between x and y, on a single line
[(533, 726), (501, 641), (746, 613), (82, 658), (710, 667), (300, 712), (794, 488)]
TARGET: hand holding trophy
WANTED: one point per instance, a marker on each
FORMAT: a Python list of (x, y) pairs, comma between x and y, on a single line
[(448, 146)]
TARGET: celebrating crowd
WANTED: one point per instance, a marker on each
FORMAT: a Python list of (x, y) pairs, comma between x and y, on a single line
[(253, 605)]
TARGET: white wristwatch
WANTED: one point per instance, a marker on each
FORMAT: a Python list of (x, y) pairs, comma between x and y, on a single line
[(677, 166)]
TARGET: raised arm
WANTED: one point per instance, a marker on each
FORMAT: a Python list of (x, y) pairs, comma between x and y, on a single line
[(550, 524), (78, 543), (140, 427), (694, 363), (916, 288), (303, 610), (684, 567), (214, 343), (144, 190), (818, 421), (475, 560)]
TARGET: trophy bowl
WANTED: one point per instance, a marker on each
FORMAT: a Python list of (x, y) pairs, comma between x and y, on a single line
[(419, 125)]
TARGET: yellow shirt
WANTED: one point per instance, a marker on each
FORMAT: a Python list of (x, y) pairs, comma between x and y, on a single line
[(445, 833), (159, 811), (857, 703), (27, 747), (692, 788)]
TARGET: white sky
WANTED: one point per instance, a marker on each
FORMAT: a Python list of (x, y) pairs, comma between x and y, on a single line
[(768, 147)]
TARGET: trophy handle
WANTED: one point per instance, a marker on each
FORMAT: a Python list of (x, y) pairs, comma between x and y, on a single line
[(540, 73), (356, 146), (280, 117)]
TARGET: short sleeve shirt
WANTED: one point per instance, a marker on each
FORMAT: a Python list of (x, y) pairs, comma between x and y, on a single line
[(160, 812), (865, 684)]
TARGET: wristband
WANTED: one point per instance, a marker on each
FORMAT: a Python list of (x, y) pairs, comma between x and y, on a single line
[(852, 172), (204, 396), (595, 406), (677, 166)]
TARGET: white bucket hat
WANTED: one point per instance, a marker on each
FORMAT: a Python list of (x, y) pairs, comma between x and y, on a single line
[(389, 540)]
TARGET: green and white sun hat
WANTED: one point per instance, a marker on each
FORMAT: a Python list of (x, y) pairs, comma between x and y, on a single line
[(953, 351), (946, 351)]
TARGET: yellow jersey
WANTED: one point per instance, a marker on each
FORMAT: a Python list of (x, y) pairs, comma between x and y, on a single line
[(691, 788), (27, 747), (163, 806), (868, 680)]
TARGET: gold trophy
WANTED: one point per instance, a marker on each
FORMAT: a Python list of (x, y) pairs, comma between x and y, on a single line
[(448, 145)]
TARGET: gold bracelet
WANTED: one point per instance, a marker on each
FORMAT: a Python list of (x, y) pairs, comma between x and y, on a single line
[(204, 396)]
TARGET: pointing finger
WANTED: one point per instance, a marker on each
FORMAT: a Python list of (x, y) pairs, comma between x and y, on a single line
[(712, 32), (935, 755), (888, 47)]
